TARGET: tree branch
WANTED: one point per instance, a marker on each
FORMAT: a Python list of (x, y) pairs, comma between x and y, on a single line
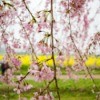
[(52, 40), (29, 11), (79, 52)]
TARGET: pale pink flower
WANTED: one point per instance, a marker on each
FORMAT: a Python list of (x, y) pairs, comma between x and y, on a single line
[(27, 87), (46, 73), (17, 90), (19, 77), (49, 96), (60, 59), (44, 48), (28, 27), (16, 45), (16, 61), (86, 22), (41, 97)]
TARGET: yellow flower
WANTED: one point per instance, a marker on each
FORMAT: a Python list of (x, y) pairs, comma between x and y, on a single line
[(69, 62), (91, 61), (98, 62)]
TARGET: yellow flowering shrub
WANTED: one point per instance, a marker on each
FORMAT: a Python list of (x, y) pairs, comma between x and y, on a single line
[(98, 62), (69, 62), (1, 57), (26, 60), (91, 61)]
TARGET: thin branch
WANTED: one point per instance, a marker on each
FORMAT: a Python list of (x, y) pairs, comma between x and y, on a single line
[(22, 78), (79, 51), (46, 87), (6, 45), (23, 29), (29, 11), (52, 40)]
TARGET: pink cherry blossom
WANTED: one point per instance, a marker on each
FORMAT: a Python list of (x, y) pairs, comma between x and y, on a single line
[(16, 61), (60, 30)]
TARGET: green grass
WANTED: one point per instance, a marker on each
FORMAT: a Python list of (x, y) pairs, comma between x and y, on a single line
[(95, 71), (69, 90), (23, 70)]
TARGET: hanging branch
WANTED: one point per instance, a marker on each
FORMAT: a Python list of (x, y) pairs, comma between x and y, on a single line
[(6, 45), (52, 41), (80, 53), (28, 40), (29, 11), (24, 29)]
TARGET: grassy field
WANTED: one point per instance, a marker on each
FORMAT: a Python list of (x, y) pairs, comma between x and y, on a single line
[(94, 71), (69, 90)]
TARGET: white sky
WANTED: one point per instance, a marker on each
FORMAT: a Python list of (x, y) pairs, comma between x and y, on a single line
[(38, 5)]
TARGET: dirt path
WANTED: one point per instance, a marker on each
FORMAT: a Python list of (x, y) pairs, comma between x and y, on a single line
[(79, 76), (65, 77)]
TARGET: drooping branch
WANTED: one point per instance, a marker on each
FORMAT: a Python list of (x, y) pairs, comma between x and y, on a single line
[(23, 29), (33, 18), (53, 55), (72, 39)]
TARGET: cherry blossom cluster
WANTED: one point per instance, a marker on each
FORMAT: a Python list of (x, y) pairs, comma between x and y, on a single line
[(22, 87), (48, 96), (41, 74), (61, 28)]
